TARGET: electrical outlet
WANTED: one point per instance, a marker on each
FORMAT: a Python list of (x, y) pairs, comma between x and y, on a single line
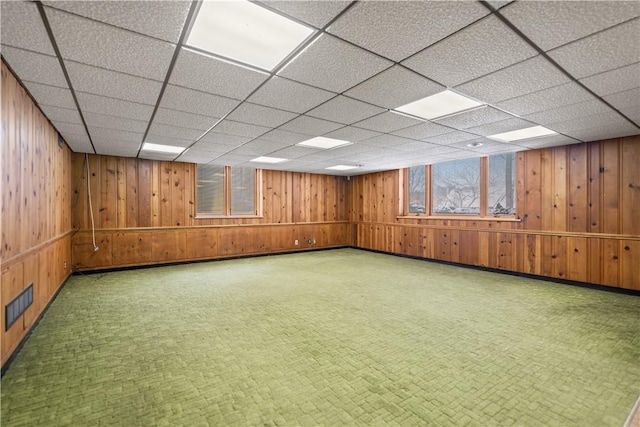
[(65, 265), (310, 241), (295, 242)]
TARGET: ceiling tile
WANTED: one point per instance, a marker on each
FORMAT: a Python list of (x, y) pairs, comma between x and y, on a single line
[(139, 16), (240, 129), (626, 99), (413, 146), (221, 139), (633, 113), (117, 148), (182, 119), (476, 117), (547, 99), (69, 128), (195, 71), (602, 51), (332, 64), (387, 122), (484, 47), (617, 130), (552, 24), (618, 80), (51, 95), (69, 115), (450, 138), (507, 125), (352, 134), (525, 77), (196, 157), (21, 26), (279, 135), (259, 115), (423, 131), (113, 84), (174, 131), (104, 137), (395, 87), (310, 125), (169, 140), (113, 107), (90, 42), (547, 141), (118, 123), (398, 29), (569, 127), (345, 110), (499, 3), (79, 143), (289, 95), (35, 67), (233, 160), (155, 155), (293, 152), (386, 141), (193, 101), (258, 147), (569, 112), (316, 13)]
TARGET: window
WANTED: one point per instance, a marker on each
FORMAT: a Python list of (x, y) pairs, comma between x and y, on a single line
[(482, 186), (456, 187), (223, 191), (417, 187), (501, 192)]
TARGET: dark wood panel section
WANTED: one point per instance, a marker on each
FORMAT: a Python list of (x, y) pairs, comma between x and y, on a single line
[(36, 205)]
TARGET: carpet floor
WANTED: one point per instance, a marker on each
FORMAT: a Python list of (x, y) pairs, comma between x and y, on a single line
[(337, 337)]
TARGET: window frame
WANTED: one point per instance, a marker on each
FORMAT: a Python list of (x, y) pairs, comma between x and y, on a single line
[(484, 197), (257, 194)]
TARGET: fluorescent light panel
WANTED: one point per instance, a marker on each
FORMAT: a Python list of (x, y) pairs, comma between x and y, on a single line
[(246, 32), (322, 142), (264, 159), (439, 105), (341, 167), (148, 146), (526, 133)]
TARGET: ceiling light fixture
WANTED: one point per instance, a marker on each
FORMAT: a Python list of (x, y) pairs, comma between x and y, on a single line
[(322, 142), (475, 144), (264, 159), (439, 105), (246, 32), (520, 134), (341, 167), (160, 148)]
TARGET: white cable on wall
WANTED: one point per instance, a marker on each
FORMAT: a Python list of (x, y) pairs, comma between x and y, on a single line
[(93, 226)]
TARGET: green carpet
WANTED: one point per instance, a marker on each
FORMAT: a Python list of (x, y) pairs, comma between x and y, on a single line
[(337, 337)]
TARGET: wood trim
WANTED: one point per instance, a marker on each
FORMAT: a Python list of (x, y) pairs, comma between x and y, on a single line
[(190, 227), (7, 263), (461, 217), (428, 191), (484, 185)]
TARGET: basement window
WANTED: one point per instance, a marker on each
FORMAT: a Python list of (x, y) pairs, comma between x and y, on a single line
[(222, 191), (479, 187)]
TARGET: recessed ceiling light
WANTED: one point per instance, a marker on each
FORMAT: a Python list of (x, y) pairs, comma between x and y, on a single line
[(526, 133), (148, 146), (475, 144), (264, 159), (322, 142), (439, 105), (341, 167), (246, 32)]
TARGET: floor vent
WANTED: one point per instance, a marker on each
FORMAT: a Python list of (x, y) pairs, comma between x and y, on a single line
[(18, 305)]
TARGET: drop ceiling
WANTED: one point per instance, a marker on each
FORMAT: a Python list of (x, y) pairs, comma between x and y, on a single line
[(113, 75)]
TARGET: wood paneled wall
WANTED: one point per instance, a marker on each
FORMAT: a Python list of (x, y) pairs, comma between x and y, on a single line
[(580, 218), (144, 213), (36, 220)]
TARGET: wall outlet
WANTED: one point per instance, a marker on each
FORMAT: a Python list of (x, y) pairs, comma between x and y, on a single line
[(65, 265), (310, 241), (295, 242)]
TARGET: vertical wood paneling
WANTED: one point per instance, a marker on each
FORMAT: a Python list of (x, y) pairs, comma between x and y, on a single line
[(578, 197), (630, 187), (610, 187)]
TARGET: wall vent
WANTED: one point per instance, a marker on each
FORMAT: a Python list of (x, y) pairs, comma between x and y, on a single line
[(17, 306)]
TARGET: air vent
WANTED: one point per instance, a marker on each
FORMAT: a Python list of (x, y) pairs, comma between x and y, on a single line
[(18, 305)]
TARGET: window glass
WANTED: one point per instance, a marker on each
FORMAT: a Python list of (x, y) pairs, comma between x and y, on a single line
[(417, 185), (456, 187), (243, 184), (501, 195), (210, 189)]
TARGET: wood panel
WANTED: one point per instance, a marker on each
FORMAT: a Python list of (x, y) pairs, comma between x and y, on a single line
[(578, 205), (35, 209)]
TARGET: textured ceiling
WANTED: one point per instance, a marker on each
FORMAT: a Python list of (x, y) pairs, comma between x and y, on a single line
[(111, 75)]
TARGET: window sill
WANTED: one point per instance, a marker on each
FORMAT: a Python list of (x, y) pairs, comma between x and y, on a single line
[(205, 216), (462, 217)]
